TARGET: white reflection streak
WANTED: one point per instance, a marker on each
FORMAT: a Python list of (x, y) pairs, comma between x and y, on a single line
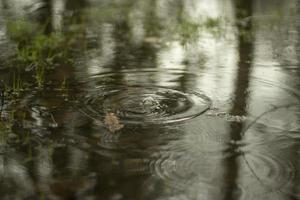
[(221, 61), (172, 56), (166, 12), (58, 7), (199, 10), (18, 7), (216, 75), (220, 54), (44, 168), (105, 55), (77, 159), (265, 62), (11, 169), (136, 21), (2, 27)]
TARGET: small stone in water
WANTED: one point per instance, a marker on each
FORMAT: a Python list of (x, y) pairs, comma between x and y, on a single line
[(112, 122)]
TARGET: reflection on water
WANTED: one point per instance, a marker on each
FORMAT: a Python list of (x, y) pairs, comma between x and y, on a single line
[(144, 104), (149, 99)]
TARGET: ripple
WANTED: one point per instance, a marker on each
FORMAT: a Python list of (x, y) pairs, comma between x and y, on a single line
[(270, 172), (194, 159), (179, 171), (145, 104), (271, 144)]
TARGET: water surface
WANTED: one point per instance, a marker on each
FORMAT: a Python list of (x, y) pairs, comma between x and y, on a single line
[(125, 99)]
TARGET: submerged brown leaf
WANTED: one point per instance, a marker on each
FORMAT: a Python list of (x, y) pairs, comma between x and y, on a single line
[(112, 122)]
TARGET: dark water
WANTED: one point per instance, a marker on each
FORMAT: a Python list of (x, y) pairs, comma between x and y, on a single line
[(150, 99)]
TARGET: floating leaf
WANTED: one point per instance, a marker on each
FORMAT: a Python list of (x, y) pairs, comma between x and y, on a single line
[(112, 122)]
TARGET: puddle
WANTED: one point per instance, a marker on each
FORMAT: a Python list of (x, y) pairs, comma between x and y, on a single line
[(153, 100)]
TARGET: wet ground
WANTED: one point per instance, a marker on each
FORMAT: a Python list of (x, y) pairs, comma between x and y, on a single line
[(150, 99)]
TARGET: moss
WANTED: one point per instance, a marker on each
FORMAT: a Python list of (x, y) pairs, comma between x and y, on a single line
[(37, 51)]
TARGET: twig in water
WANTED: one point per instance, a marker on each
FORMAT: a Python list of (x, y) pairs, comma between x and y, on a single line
[(264, 113), (89, 116)]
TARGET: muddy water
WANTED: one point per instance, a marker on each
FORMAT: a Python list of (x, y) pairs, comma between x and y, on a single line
[(150, 99)]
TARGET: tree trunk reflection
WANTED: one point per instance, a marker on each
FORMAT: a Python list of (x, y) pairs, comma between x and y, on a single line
[(245, 49)]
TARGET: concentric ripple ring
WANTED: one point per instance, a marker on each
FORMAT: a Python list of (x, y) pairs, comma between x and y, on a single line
[(145, 104)]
